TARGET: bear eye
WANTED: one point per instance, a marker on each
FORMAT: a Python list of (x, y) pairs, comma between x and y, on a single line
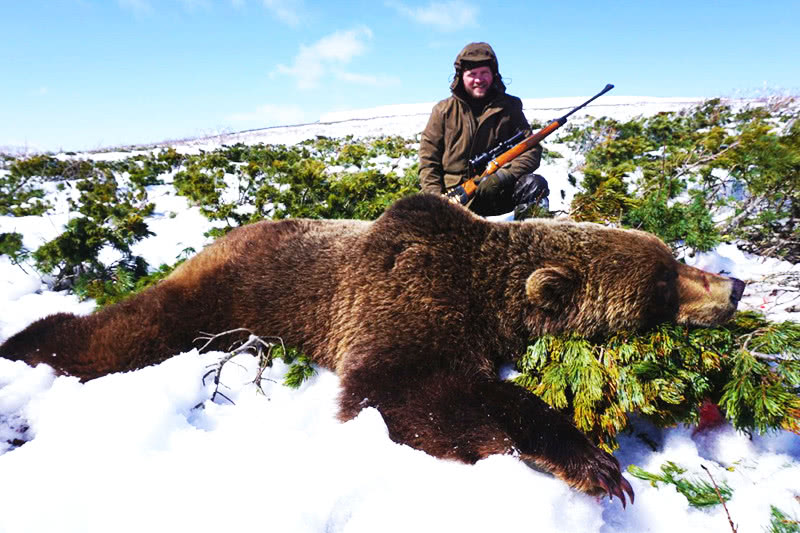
[(665, 281), (665, 297), (668, 275)]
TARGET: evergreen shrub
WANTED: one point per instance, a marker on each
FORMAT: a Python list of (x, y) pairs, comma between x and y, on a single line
[(697, 176)]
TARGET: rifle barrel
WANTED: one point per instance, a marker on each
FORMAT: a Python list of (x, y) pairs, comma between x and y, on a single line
[(607, 88), (535, 138)]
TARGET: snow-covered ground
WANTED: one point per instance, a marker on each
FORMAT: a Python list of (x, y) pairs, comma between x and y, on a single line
[(149, 451)]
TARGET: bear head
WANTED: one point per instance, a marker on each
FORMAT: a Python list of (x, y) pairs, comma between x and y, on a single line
[(593, 279)]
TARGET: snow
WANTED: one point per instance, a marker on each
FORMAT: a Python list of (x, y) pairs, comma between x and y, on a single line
[(148, 450)]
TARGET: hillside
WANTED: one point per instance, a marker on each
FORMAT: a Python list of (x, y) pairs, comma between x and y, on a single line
[(149, 450)]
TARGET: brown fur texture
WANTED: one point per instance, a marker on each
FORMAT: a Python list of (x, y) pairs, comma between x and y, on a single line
[(414, 312)]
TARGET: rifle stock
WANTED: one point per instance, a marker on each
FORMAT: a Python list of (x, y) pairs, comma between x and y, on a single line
[(464, 192)]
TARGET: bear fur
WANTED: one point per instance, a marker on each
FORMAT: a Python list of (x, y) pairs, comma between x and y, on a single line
[(414, 312)]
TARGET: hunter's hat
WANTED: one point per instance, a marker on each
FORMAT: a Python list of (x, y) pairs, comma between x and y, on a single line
[(476, 55)]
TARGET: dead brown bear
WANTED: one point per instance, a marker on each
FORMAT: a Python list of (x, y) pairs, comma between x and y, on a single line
[(414, 312)]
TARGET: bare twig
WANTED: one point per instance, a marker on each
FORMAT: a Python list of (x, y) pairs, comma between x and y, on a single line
[(265, 361), (253, 345), (704, 160), (771, 357), (211, 337), (747, 338), (721, 499)]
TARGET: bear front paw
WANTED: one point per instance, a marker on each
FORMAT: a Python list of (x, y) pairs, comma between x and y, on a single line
[(586, 468), (600, 473)]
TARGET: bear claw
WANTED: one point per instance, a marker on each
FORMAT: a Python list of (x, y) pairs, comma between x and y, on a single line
[(619, 489), (628, 489), (608, 477)]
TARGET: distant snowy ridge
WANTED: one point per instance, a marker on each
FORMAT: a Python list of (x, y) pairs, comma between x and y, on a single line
[(407, 120), (645, 105)]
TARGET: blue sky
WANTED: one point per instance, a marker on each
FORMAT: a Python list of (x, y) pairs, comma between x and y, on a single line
[(78, 74)]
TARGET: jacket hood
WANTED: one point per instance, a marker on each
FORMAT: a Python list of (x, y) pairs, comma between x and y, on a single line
[(476, 53)]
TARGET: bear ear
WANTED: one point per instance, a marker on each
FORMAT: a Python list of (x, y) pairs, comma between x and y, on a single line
[(551, 287)]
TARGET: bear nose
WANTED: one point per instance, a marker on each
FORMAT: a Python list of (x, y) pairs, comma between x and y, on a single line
[(737, 290)]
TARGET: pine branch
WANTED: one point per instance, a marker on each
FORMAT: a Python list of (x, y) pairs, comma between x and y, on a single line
[(698, 493), (781, 523), (749, 368)]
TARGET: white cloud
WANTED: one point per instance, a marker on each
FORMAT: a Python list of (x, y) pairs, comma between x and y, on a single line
[(445, 16), (138, 7), (366, 79), (271, 115), (194, 5), (328, 56), (146, 7), (287, 11)]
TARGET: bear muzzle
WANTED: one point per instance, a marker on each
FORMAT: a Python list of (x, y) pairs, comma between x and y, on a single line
[(706, 299)]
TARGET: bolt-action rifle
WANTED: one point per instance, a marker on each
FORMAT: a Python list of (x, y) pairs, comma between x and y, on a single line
[(464, 192)]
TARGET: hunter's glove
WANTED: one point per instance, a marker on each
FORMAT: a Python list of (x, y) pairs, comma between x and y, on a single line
[(494, 183)]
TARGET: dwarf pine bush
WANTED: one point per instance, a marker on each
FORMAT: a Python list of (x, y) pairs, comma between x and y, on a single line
[(108, 215), (275, 181), (750, 368), (11, 245), (21, 192), (697, 176)]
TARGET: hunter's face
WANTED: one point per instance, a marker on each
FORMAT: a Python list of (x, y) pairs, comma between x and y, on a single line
[(477, 81)]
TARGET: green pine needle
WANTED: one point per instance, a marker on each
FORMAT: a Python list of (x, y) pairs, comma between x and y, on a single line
[(666, 373), (697, 492), (780, 522)]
